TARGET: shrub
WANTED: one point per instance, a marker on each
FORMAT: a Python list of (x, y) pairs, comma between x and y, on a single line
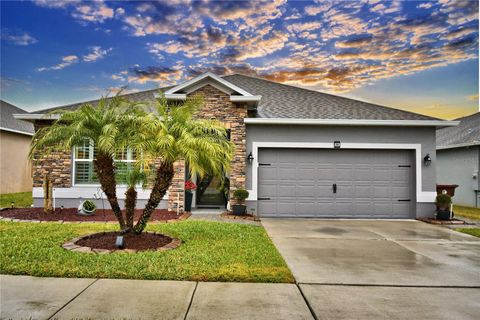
[(443, 200), (89, 205), (190, 186), (240, 194)]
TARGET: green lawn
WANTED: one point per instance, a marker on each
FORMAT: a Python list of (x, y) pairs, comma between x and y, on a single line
[(472, 231), (211, 251), (21, 199), (467, 212)]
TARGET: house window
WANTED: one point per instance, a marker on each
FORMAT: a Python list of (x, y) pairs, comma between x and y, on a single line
[(84, 172)]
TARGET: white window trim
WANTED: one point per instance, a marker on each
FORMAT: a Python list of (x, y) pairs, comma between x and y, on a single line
[(91, 152), (422, 196)]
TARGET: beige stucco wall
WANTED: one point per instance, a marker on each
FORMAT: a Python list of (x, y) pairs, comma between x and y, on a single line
[(15, 168)]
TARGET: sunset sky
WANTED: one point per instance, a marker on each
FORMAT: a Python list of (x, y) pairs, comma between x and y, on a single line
[(420, 56)]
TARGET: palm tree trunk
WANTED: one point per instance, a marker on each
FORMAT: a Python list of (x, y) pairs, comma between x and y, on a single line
[(106, 175), (130, 202), (163, 180)]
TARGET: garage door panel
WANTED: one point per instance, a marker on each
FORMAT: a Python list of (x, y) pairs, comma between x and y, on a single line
[(362, 191), (363, 208), (400, 174), (287, 173), (267, 173), (286, 191), (299, 182), (362, 174), (306, 173), (344, 174), (400, 192), (382, 174)]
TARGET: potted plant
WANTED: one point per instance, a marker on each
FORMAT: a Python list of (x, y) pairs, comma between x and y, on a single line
[(240, 195), (189, 188), (443, 202), (87, 207)]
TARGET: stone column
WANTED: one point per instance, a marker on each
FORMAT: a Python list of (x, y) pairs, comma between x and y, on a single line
[(176, 192)]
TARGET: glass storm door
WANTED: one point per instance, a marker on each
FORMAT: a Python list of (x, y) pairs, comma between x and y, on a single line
[(210, 192)]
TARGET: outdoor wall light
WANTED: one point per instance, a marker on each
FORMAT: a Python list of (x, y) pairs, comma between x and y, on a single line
[(427, 160), (250, 157)]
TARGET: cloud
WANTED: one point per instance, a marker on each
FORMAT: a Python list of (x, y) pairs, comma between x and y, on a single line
[(460, 32), (55, 3), (66, 61), (96, 53), (473, 97), (356, 42), (94, 11), (425, 5), (85, 12), (19, 39), (159, 75), (314, 10), (304, 26)]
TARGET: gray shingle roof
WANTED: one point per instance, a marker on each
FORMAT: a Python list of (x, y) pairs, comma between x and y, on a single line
[(466, 133), (147, 95), (7, 121), (284, 101)]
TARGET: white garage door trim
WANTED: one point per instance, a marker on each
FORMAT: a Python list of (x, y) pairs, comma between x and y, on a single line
[(422, 196)]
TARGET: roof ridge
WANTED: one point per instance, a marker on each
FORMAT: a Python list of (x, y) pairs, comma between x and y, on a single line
[(476, 113), (332, 95)]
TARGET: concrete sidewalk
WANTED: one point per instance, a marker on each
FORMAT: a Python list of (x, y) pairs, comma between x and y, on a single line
[(24, 297)]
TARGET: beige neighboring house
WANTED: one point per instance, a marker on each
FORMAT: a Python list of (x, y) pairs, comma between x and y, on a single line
[(15, 137)]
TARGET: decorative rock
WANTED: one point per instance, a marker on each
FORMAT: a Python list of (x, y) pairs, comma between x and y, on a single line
[(101, 251), (83, 250), (127, 251), (70, 246)]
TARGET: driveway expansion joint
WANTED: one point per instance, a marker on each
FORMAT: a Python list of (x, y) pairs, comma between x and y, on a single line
[(191, 301), (71, 300), (306, 302)]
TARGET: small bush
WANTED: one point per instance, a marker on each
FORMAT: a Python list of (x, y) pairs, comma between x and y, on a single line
[(89, 205), (443, 200), (240, 194)]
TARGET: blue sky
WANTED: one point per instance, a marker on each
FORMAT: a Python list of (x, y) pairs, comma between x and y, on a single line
[(420, 56)]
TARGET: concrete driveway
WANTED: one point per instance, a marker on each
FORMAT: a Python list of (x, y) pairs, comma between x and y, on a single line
[(371, 269)]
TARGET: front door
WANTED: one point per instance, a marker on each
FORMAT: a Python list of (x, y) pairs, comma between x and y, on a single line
[(209, 193)]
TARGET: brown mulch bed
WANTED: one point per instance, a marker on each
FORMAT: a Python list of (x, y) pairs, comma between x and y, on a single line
[(444, 222), (143, 241), (70, 214), (245, 216)]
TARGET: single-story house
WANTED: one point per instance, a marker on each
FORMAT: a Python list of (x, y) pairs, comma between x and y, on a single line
[(15, 138), (458, 159), (299, 153)]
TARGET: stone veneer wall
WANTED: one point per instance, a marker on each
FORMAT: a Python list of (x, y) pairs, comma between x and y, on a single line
[(217, 105), (176, 192), (57, 166)]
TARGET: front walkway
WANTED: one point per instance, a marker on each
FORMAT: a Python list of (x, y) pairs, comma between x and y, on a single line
[(24, 297)]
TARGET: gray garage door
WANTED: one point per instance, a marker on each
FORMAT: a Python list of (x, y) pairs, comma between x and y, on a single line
[(335, 183)]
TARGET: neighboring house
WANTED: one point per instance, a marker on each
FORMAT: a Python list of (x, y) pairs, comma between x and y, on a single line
[(15, 137), (299, 153), (458, 159)]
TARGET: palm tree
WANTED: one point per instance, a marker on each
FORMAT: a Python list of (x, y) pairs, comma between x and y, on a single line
[(109, 125), (173, 134)]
